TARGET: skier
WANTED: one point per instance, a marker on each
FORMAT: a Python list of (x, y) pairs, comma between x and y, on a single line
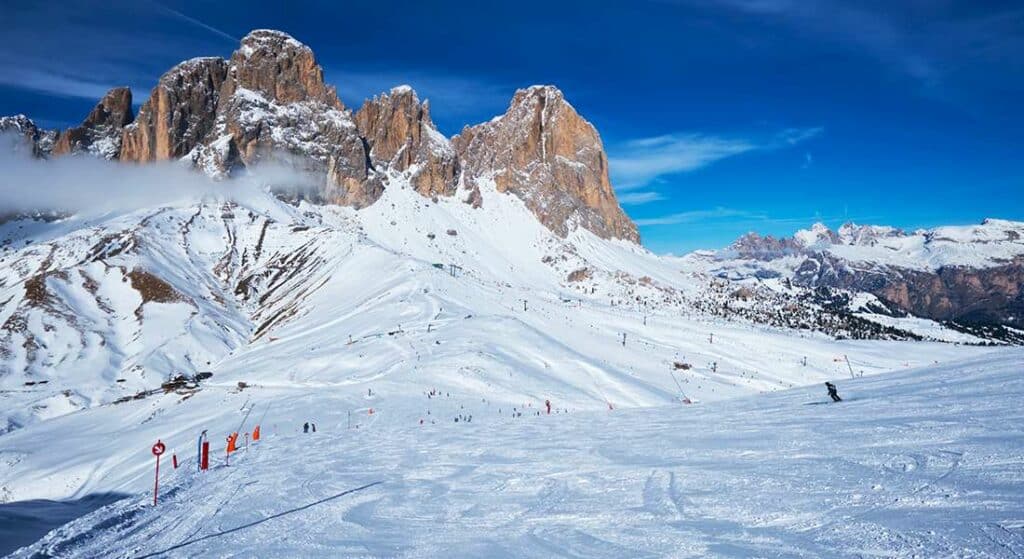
[(314, 427), (832, 392), (305, 427), (548, 404)]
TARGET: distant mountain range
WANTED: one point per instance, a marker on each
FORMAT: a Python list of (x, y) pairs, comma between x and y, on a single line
[(969, 276)]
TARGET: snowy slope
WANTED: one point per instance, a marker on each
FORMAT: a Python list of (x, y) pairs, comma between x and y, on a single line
[(305, 300), (921, 463)]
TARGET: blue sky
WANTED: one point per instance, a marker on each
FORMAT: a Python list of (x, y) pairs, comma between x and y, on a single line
[(719, 116)]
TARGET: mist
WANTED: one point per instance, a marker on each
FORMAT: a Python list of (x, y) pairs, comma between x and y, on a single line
[(88, 185)]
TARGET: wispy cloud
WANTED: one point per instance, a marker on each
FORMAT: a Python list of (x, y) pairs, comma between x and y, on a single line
[(53, 83), (638, 198), (697, 216), (850, 23), (91, 55), (638, 163), (195, 22), (941, 46)]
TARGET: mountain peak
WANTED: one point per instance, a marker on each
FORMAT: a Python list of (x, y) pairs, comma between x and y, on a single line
[(270, 38), (402, 138), (275, 65), (100, 132), (545, 153)]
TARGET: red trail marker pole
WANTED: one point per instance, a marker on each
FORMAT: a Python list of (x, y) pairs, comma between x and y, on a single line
[(157, 450)]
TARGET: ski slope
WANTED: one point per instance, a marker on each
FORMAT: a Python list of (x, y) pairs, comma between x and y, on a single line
[(313, 302), (919, 463), (422, 311)]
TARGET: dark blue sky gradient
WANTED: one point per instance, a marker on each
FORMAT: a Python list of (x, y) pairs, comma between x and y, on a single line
[(720, 116)]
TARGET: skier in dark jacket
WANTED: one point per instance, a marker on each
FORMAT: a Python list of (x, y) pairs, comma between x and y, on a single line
[(832, 392), (305, 427)]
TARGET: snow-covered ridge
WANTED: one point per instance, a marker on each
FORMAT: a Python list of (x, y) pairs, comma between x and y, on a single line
[(992, 242)]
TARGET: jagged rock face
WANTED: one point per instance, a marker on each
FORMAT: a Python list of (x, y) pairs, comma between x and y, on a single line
[(100, 132), (545, 153), (269, 103), (974, 295), (274, 106), (38, 141), (764, 248), (179, 113), (969, 274), (403, 138), (279, 68)]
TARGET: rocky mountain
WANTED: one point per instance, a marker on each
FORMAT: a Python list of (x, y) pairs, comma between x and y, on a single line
[(269, 103), (545, 153), (27, 135), (100, 132), (402, 138), (179, 113), (970, 275), (405, 230)]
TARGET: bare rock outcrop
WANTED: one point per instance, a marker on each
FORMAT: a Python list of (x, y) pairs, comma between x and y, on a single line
[(402, 138), (100, 132), (545, 153), (179, 113), (275, 107), (279, 68)]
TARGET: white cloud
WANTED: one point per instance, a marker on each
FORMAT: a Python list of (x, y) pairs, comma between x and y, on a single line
[(638, 198), (695, 216), (93, 186), (639, 162)]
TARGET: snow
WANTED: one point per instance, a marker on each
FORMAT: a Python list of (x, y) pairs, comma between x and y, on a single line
[(920, 463), (313, 307), (991, 243)]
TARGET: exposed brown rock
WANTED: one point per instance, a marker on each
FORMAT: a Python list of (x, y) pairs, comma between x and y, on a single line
[(579, 275), (545, 153), (179, 113), (402, 137), (100, 132), (983, 295), (153, 289), (274, 106), (279, 68)]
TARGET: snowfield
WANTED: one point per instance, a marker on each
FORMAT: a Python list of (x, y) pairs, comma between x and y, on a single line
[(920, 463), (430, 311)]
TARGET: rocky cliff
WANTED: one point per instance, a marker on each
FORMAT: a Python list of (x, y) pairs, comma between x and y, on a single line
[(545, 153), (402, 138), (269, 103), (179, 113), (100, 132)]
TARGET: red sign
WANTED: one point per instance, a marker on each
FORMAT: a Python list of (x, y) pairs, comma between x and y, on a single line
[(158, 448)]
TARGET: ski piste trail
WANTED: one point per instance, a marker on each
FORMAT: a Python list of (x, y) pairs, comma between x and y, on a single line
[(919, 463), (353, 315)]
